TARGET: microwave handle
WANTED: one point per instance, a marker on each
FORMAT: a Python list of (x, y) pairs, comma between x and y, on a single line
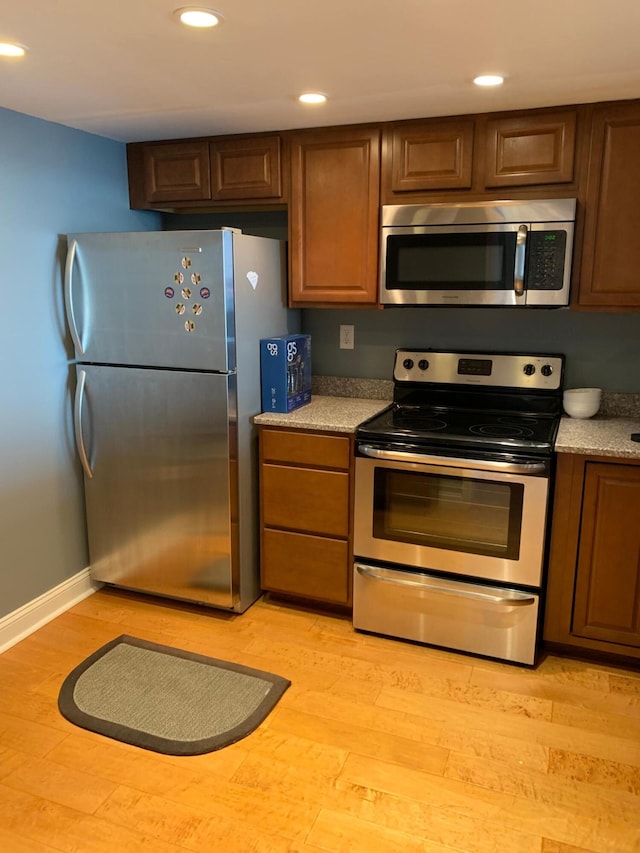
[(521, 248)]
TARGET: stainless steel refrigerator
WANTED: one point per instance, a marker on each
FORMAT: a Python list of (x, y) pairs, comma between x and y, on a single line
[(166, 329)]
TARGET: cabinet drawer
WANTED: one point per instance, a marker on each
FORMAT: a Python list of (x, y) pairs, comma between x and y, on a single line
[(307, 500), (309, 566), (326, 451)]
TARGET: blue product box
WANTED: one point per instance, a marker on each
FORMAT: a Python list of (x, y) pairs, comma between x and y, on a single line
[(285, 370)]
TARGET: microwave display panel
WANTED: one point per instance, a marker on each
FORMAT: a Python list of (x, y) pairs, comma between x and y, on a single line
[(472, 261)]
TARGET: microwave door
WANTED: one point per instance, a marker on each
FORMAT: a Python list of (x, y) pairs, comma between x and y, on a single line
[(459, 265)]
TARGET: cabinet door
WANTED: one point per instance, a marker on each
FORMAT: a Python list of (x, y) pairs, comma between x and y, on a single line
[(428, 156), (611, 254), (530, 150), (176, 172), (246, 168), (607, 593), (333, 216)]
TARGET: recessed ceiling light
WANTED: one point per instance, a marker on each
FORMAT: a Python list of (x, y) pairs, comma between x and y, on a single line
[(198, 16), (489, 80), (9, 49), (312, 98)]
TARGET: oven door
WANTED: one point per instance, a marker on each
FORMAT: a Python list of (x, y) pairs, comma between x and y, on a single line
[(482, 519)]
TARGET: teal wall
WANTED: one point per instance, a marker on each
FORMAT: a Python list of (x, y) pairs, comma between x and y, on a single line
[(53, 180), (602, 349)]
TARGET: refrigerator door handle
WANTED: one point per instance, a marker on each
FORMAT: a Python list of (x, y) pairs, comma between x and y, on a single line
[(68, 297), (77, 423)]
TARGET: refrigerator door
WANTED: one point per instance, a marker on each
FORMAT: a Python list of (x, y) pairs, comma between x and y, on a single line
[(158, 453), (158, 299)]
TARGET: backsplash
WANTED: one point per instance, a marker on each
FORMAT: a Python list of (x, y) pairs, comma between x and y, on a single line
[(343, 386), (620, 405), (614, 404)]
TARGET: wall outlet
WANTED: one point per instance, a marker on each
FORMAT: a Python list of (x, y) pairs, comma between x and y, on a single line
[(346, 337)]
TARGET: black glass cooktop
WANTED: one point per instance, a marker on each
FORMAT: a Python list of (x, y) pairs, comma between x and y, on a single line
[(426, 426)]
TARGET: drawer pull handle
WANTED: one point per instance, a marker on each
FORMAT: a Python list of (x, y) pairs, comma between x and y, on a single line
[(454, 588)]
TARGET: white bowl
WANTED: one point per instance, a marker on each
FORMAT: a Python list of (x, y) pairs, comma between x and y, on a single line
[(581, 402)]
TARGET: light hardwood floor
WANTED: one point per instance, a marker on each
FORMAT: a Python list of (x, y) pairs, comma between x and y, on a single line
[(378, 745)]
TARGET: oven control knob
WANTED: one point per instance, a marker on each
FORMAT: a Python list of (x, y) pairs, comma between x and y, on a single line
[(546, 370), (423, 364), (407, 363), (529, 369)]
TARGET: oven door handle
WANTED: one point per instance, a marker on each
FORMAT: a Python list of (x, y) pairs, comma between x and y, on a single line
[(453, 461), (454, 588)]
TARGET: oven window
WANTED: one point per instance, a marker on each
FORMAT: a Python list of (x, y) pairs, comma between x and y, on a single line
[(454, 513), (466, 261)]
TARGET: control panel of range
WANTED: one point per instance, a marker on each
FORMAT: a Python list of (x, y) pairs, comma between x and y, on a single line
[(534, 372)]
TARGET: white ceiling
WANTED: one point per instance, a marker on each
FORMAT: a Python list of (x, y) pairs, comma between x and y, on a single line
[(126, 70)]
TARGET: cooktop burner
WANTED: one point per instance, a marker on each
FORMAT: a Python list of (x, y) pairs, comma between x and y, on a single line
[(492, 402), (501, 430)]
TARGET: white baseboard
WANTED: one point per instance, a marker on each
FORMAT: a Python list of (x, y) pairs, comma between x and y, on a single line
[(33, 615)]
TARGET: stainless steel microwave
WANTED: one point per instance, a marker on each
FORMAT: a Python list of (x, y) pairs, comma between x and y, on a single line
[(497, 253)]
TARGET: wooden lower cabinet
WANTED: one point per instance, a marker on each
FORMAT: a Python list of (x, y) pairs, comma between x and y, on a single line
[(305, 514), (593, 590)]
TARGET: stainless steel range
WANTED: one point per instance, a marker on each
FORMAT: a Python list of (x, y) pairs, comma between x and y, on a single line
[(452, 486)]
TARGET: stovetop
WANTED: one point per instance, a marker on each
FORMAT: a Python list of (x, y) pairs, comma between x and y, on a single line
[(449, 401)]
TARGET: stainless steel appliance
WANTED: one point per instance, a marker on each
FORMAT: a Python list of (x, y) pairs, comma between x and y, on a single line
[(452, 486), (166, 328), (509, 253)]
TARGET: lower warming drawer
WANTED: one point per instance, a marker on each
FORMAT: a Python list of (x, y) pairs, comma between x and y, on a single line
[(485, 620)]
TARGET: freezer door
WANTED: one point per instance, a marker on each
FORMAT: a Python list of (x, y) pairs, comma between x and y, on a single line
[(159, 299), (157, 450)]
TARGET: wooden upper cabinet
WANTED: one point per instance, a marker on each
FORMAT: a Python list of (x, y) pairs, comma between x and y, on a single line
[(610, 271), (333, 216), (425, 156), (530, 149), (244, 169), (475, 156), (177, 171)]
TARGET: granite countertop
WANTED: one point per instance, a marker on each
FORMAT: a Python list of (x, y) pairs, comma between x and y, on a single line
[(341, 404), (602, 435), (334, 414)]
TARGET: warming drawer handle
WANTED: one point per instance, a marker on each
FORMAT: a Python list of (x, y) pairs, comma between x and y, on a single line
[(460, 591), (68, 298), (452, 461), (77, 423), (521, 248)]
